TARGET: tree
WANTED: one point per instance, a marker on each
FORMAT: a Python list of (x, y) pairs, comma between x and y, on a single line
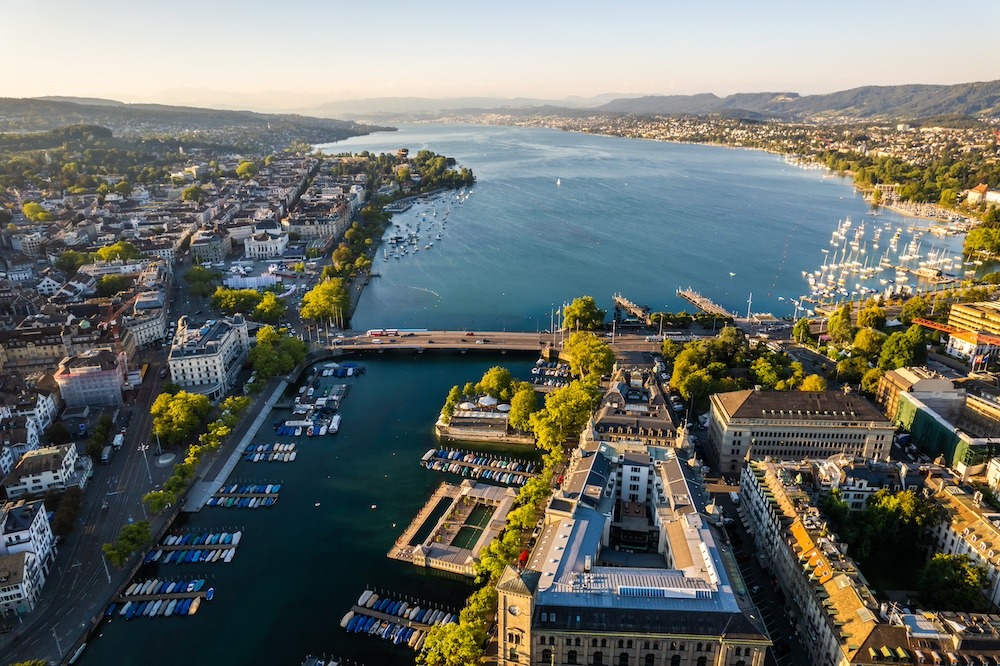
[(872, 317), (454, 397), (669, 350), (813, 383), (839, 326), (801, 331), (589, 355), (70, 261), (954, 582), (276, 353), (913, 308), (870, 380), (201, 281), (236, 300), (122, 250), (246, 170), (904, 349), (57, 433), (194, 193), (109, 285), (175, 417), (327, 300), (36, 213), (522, 406), (270, 310), (583, 314), (850, 370), (868, 342), (496, 382), (450, 644)]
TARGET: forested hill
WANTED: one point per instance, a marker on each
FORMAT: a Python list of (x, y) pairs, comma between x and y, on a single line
[(892, 102), (236, 128)]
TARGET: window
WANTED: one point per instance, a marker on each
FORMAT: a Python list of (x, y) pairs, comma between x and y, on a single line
[(598, 658), (649, 659), (571, 657), (623, 659), (621, 644), (576, 641), (541, 640), (546, 656), (629, 645), (739, 651), (593, 642), (675, 660), (702, 661), (645, 645), (604, 642), (552, 640)]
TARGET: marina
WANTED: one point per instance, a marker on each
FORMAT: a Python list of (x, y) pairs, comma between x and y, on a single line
[(153, 598), (479, 466), (403, 622), (269, 453), (245, 496), (196, 548)]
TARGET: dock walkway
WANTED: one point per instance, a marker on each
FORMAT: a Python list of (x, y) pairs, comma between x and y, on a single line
[(401, 550), (204, 489), (161, 597), (638, 311), (704, 303), (396, 619)]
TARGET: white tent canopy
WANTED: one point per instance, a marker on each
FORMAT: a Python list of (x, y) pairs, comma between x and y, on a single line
[(488, 401), (503, 407), (467, 406)]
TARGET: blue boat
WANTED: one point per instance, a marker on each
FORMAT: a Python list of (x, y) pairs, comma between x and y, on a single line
[(210, 594), (198, 584)]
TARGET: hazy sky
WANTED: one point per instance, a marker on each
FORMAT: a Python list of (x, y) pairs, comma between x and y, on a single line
[(314, 50)]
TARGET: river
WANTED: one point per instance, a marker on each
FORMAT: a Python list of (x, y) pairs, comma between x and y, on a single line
[(638, 217)]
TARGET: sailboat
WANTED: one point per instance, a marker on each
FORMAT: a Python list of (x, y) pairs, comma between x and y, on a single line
[(558, 182)]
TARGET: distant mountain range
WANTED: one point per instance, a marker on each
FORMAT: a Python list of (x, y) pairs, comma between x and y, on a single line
[(890, 102)]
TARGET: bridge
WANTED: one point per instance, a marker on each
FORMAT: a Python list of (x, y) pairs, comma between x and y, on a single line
[(491, 341)]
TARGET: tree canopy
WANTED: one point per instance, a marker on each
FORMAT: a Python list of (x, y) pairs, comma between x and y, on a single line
[(122, 250), (201, 281), (953, 582), (904, 349), (176, 417), (276, 353), (109, 285), (327, 300), (588, 354), (583, 314)]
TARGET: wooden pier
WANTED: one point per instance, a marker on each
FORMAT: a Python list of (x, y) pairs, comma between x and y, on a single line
[(225, 495), (160, 597), (475, 469), (703, 303), (385, 617), (640, 312)]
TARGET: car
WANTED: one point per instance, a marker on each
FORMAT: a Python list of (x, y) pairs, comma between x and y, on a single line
[(728, 521), (480, 342), (755, 589), (376, 341), (468, 333)]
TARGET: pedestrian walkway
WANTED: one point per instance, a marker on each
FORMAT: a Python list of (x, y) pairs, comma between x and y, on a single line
[(202, 490)]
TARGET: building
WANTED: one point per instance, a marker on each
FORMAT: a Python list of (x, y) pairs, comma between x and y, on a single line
[(972, 321), (794, 425), (92, 378), (207, 359), (27, 553), (633, 409), (45, 469), (918, 381), (265, 245), (39, 401), (963, 429), (19, 434), (585, 597), (210, 247), (837, 617)]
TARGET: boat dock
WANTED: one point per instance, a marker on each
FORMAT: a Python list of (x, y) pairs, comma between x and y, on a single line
[(394, 619), (640, 312), (245, 496), (161, 597), (479, 466), (703, 303)]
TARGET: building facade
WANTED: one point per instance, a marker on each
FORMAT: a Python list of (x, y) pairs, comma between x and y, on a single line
[(206, 359), (794, 425), (579, 598), (45, 469), (93, 378), (27, 554)]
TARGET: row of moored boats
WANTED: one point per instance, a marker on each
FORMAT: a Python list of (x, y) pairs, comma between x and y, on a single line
[(479, 466), (270, 452), (261, 495), (399, 632), (162, 607)]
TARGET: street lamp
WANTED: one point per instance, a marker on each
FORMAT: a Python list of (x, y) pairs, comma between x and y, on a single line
[(142, 449)]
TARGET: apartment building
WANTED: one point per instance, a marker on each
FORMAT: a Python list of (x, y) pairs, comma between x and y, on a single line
[(92, 378)]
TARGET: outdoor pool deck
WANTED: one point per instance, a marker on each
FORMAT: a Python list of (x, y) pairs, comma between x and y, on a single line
[(475, 516)]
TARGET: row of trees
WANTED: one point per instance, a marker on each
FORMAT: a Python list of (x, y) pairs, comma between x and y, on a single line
[(176, 416), (131, 538), (262, 306), (202, 281), (498, 383), (100, 436), (327, 301), (70, 261), (726, 363)]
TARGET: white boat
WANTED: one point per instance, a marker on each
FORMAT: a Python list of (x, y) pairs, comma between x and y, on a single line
[(334, 424), (558, 182), (363, 599), (291, 456), (229, 555), (170, 608), (236, 537), (298, 431), (347, 618), (323, 429)]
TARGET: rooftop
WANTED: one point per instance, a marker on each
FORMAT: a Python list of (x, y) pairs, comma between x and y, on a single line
[(834, 407)]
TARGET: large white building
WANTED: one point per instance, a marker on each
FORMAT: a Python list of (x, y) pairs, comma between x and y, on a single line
[(627, 569), (206, 359), (265, 245), (27, 553), (45, 469), (93, 378), (794, 425)]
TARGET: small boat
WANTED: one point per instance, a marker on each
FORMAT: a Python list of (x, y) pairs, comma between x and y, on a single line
[(210, 594), (309, 431), (195, 604)]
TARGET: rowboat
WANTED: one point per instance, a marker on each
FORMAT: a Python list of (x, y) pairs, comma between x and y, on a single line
[(194, 606)]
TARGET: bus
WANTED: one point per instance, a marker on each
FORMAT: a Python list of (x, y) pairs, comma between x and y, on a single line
[(142, 370), (380, 332)]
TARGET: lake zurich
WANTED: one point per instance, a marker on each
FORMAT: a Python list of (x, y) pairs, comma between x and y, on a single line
[(553, 216)]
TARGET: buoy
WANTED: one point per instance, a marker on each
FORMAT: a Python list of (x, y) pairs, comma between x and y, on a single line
[(374, 506), (317, 503)]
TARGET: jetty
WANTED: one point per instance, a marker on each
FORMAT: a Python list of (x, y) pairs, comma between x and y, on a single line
[(162, 597), (402, 621), (640, 312), (704, 303)]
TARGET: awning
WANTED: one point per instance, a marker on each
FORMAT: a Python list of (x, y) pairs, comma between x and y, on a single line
[(488, 401)]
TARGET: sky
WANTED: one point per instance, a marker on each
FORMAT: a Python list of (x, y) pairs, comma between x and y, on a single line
[(297, 53)]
